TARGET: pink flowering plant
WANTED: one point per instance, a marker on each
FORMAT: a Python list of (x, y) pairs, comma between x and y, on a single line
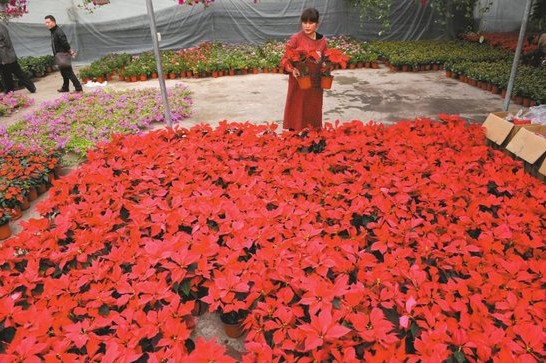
[(13, 8), (75, 123), (12, 102)]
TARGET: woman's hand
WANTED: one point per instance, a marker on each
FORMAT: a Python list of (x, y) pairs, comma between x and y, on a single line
[(296, 73)]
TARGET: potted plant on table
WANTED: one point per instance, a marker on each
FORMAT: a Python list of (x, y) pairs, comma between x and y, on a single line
[(332, 57)]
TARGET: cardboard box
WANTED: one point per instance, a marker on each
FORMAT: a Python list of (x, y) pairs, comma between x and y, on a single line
[(527, 145), (501, 131), (497, 128)]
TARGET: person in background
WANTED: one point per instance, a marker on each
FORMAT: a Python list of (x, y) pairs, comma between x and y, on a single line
[(304, 106), (9, 65), (59, 43)]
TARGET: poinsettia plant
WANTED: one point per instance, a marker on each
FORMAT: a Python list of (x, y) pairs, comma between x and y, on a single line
[(383, 252), (333, 57), (299, 59)]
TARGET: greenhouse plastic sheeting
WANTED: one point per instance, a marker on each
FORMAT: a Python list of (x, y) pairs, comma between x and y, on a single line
[(123, 25)]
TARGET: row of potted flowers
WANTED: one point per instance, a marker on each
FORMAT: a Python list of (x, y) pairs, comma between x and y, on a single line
[(413, 55), (529, 87), (37, 66), (413, 242), (210, 57), (24, 174), (507, 41)]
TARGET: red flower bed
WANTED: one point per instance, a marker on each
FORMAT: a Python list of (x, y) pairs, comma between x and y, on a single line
[(410, 243), (507, 41)]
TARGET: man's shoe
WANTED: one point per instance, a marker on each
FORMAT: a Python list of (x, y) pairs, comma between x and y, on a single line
[(60, 90), (78, 91), (32, 90)]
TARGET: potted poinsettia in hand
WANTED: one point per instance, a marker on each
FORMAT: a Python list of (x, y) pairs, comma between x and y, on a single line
[(299, 60), (331, 58)]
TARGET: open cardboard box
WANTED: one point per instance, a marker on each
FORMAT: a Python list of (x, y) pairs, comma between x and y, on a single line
[(530, 147), (501, 132)]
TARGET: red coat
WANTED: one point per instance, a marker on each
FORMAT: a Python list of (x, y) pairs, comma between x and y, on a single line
[(303, 107)]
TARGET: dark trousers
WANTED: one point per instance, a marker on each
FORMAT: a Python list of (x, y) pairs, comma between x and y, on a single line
[(14, 68), (68, 75)]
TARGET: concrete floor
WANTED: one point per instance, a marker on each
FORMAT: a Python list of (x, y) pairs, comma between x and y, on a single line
[(360, 94)]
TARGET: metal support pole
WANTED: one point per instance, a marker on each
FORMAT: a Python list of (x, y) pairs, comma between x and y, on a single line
[(514, 69), (160, 77)]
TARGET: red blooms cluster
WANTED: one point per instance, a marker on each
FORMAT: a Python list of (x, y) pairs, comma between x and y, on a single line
[(506, 41), (408, 243), (20, 170)]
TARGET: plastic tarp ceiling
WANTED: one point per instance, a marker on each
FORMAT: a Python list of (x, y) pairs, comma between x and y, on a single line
[(123, 25), (502, 16)]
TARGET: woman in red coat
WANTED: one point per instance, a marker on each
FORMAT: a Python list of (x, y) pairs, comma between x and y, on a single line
[(304, 106)]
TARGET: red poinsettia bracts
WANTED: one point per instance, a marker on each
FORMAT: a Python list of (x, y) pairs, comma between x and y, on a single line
[(411, 243)]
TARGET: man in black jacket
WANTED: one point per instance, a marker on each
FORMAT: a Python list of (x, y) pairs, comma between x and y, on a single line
[(9, 64), (59, 43)]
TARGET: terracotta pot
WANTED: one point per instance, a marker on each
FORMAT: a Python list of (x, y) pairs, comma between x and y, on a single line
[(109, 77), (405, 68), (134, 78), (503, 93), (231, 72), (25, 204), (154, 75), (42, 188), (494, 90), (435, 67), (32, 194), (352, 65), (143, 77), (526, 102), (449, 74), (214, 74), (326, 82), (16, 213), (5, 231), (233, 330), (375, 65), (255, 71), (100, 79), (199, 308), (533, 103), (189, 74), (172, 75), (367, 64), (359, 65), (304, 82)]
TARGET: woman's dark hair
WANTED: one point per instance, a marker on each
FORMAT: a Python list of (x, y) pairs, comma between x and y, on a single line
[(310, 15)]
